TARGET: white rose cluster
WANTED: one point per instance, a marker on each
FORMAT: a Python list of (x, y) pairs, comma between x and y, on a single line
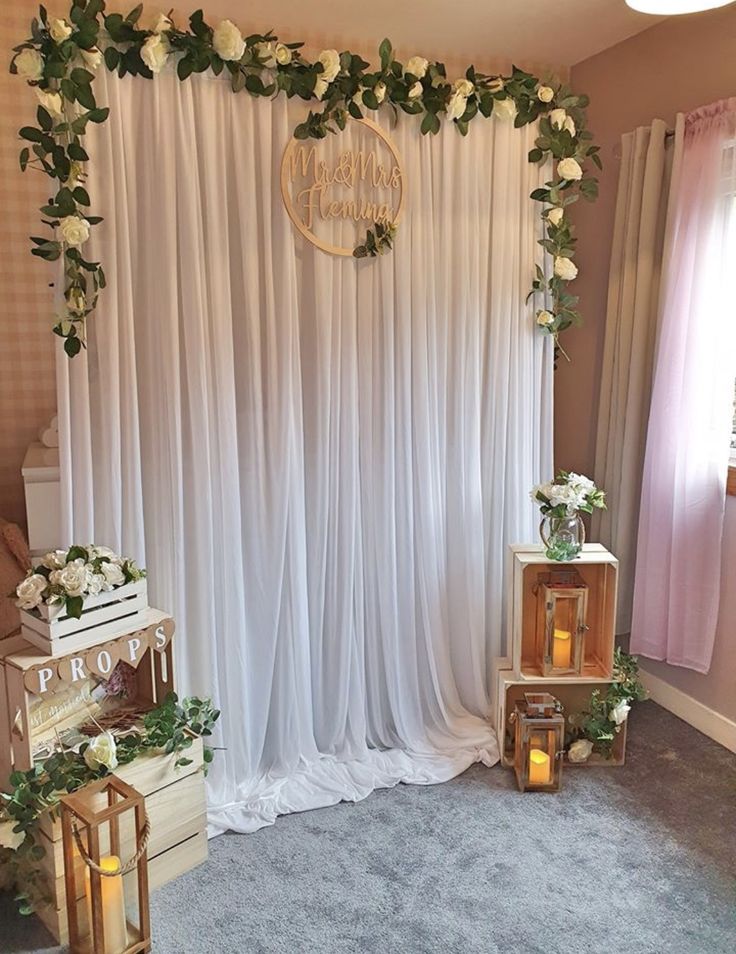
[(51, 102), (273, 54), (570, 169), (155, 52), (330, 60), (565, 268), (417, 66), (101, 752), (570, 492), (57, 576), (29, 64), (228, 41), (620, 712), (74, 230), (458, 102)]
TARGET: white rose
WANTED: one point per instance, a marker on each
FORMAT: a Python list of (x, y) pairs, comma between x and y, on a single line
[(155, 52), (416, 91), (162, 24), (456, 106), (330, 60), (570, 125), (55, 560), (565, 268), (620, 712), (379, 91), (283, 54), (29, 591), (29, 64), (51, 102), (545, 94), (555, 216), (228, 41), (92, 58), (580, 751), (74, 230), (320, 87), (102, 751), (113, 574), (59, 30), (267, 53), (581, 483), (495, 85), (545, 317), (95, 582), (417, 66), (505, 108), (569, 169), (72, 578), (104, 552), (463, 86), (557, 117)]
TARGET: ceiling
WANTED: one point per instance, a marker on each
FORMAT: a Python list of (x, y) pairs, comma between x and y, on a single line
[(560, 32)]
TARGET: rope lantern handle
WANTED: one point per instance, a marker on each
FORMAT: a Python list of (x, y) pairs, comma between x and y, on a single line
[(145, 834)]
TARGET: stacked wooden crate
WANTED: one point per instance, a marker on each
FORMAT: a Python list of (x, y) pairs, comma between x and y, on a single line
[(527, 667), (51, 676)]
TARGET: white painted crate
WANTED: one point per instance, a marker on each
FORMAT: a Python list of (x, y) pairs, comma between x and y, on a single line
[(104, 616)]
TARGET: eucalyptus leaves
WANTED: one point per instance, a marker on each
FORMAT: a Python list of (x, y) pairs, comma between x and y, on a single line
[(601, 722), (61, 56), (170, 728)]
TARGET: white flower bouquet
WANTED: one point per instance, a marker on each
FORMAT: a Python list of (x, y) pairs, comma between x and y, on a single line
[(68, 576), (567, 495)]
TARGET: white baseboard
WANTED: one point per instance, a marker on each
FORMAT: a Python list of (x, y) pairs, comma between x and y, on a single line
[(701, 717)]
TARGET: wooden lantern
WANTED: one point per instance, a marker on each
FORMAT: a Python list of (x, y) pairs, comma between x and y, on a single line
[(91, 820), (539, 742), (566, 607)]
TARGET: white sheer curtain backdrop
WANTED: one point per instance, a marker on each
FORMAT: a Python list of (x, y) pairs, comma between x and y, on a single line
[(321, 462)]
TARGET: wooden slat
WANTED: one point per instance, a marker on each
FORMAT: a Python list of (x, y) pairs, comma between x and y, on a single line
[(147, 774)]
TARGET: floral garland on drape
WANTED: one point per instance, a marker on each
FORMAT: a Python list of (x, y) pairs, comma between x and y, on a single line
[(61, 56)]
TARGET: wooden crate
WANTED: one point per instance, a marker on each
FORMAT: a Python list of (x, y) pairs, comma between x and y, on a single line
[(30, 680), (574, 696), (176, 806), (103, 617), (526, 624)]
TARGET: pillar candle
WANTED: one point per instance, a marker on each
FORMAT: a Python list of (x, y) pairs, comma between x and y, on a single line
[(113, 907), (539, 767), (561, 649)]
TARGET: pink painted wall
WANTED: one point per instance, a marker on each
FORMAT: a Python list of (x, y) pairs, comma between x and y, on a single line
[(674, 66)]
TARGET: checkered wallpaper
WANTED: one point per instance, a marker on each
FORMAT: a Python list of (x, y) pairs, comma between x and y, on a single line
[(27, 382)]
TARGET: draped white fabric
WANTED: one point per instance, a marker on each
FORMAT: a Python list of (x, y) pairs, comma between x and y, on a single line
[(321, 462)]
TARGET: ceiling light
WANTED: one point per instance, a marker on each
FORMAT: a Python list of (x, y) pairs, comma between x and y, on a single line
[(673, 7)]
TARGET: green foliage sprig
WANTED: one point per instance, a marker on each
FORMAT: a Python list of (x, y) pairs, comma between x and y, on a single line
[(378, 241), (60, 57), (598, 723), (171, 728)]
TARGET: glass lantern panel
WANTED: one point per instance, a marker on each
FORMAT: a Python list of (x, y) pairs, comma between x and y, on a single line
[(539, 754)]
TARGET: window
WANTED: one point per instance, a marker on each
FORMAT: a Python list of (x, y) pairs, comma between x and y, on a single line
[(729, 189)]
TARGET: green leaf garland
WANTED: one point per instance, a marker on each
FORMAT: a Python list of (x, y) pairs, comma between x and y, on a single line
[(61, 56)]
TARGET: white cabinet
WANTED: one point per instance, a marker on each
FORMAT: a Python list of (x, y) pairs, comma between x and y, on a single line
[(43, 497)]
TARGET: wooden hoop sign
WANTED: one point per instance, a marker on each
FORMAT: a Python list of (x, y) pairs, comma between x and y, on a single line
[(332, 191)]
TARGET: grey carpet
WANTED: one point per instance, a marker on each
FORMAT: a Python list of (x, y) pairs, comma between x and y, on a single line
[(634, 860)]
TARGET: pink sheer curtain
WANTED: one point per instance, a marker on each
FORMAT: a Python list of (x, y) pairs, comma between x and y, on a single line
[(678, 565)]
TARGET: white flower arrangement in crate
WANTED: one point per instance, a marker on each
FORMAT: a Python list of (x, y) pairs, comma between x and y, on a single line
[(76, 590)]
